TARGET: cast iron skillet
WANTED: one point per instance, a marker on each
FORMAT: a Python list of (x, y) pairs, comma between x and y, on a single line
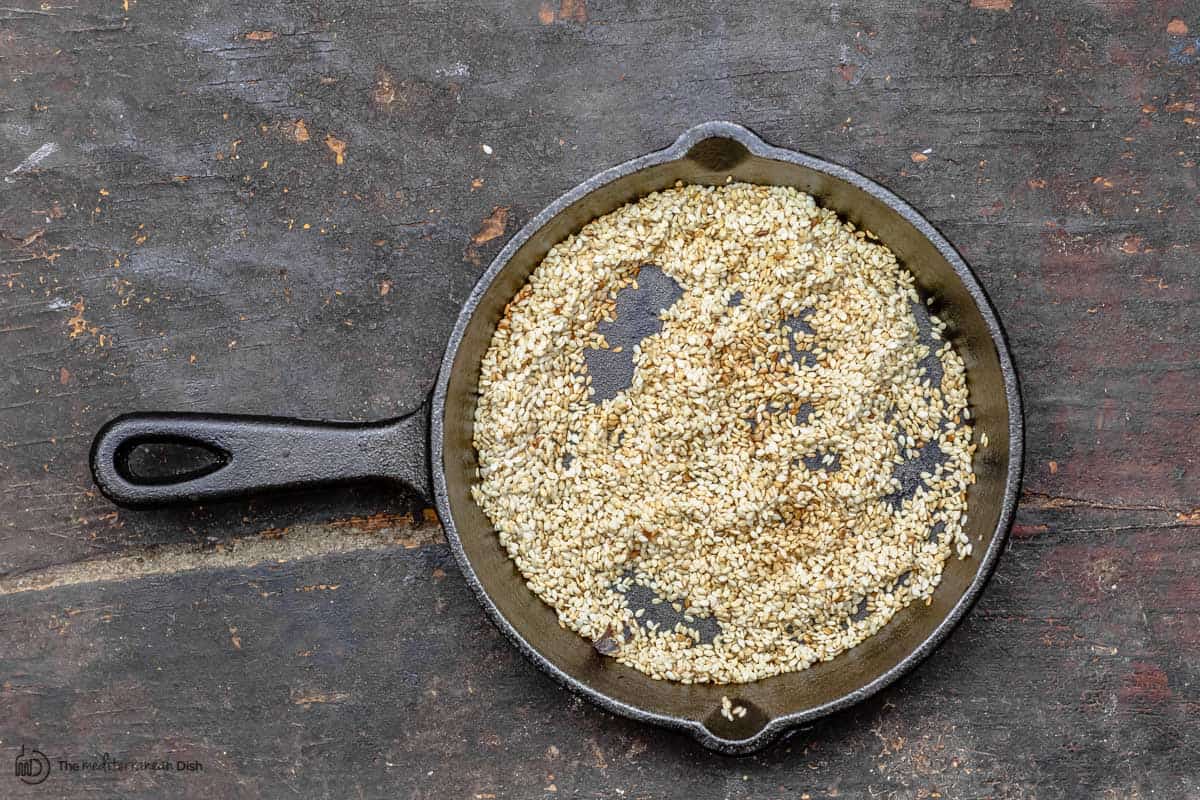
[(259, 453)]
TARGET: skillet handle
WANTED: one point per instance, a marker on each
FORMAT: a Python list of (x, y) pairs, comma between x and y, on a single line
[(252, 454)]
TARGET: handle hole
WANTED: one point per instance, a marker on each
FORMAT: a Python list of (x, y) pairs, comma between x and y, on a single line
[(165, 462)]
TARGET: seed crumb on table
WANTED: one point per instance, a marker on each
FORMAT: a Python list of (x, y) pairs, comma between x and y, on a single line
[(750, 473)]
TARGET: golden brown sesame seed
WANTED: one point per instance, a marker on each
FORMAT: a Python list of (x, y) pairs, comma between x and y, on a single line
[(670, 486)]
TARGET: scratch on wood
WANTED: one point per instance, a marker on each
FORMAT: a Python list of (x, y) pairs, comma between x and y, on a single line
[(372, 523), (320, 697), (1044, 501), (33, 159), (29, 11), (274, 546)]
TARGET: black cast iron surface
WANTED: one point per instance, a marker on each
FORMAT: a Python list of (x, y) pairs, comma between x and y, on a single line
[(252, 454), (1053, 144)]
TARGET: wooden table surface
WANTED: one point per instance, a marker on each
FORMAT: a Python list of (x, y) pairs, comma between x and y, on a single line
[(278, 207)]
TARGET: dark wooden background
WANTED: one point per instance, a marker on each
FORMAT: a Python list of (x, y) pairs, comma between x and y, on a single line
[(278, 207)]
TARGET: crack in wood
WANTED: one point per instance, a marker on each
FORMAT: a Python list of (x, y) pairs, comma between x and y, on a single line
[(378, 532), (1042, 501)]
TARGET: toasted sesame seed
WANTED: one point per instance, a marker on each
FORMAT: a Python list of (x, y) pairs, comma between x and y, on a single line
[(748, 474)]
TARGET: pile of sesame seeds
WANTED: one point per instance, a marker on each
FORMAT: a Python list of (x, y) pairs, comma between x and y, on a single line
[(730, 711), (786, 468)]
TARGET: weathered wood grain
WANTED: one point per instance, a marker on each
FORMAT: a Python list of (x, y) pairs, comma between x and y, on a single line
[(270, 208), (375, 675)]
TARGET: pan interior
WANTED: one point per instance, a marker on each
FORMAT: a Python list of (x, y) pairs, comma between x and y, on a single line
[(711, 162)]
